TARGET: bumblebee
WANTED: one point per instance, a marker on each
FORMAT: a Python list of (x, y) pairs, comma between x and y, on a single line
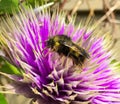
[(63, 45)]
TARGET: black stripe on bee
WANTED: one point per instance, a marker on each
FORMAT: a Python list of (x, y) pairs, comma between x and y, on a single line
[(63, 45)]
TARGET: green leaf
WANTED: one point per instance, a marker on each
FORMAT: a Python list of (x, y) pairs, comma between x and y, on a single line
[(33, 3), (8, 6), (2, 99), (8, 68)]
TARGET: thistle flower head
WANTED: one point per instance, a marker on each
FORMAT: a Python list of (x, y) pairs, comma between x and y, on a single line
[(51, 78)]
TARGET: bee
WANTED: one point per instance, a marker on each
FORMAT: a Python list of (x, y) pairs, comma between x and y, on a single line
[(64, 45)]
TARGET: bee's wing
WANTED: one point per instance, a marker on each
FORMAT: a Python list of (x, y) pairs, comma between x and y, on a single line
[(77, 49), (73, 47)]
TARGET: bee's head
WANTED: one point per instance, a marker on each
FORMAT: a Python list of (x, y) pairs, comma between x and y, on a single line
[(50, 43)]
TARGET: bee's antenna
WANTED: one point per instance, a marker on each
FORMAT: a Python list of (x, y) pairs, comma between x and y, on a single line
[(67, 60)]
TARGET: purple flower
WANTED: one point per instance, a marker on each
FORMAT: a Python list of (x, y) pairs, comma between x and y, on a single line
[(50, 78)]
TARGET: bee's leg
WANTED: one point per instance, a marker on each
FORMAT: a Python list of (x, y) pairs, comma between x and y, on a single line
[(61, 59), (67, 61), (77, 65), (44, 55), (43, 51)]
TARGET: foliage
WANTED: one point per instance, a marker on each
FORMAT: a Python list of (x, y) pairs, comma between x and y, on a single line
[(2, 99), (8, 68), (8, 6)]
